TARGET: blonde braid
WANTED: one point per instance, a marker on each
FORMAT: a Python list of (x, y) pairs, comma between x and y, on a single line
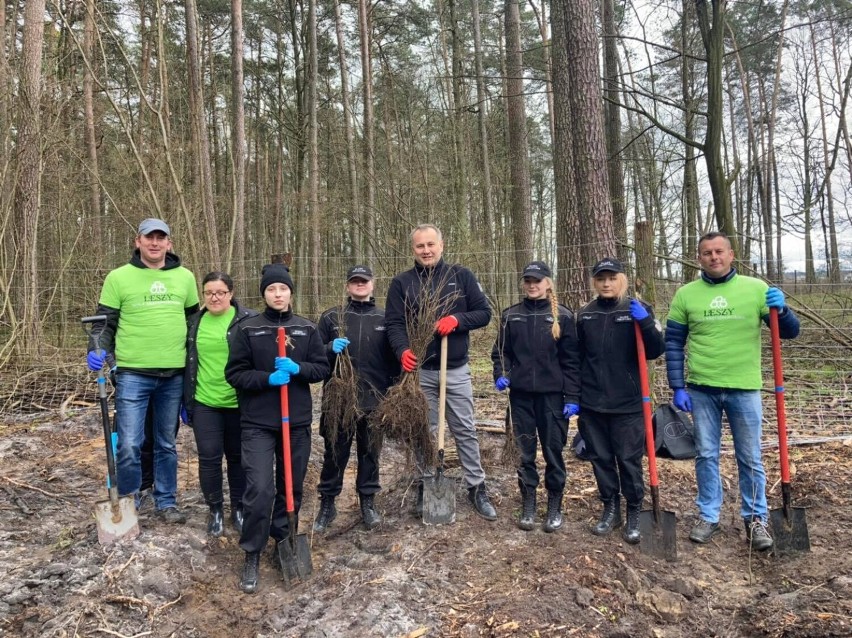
[(556, 330)]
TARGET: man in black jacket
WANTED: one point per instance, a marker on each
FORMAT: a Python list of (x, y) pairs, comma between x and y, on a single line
[(361, 333), (462, 307), (257, 373)]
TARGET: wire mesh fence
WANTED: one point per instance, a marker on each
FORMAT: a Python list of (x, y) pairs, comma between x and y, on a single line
[(818, 364)]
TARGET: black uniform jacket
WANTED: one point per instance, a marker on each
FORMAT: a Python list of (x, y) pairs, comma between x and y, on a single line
[(526, 353), (190, 372), (460, 295), (369, 348), (254, 346), (609, 370)]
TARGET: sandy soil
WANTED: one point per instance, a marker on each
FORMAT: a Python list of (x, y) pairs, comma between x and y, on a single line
[(472, 578)]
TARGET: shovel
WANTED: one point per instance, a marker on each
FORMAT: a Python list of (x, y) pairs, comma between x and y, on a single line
[(789, 525), (116, 517), (439, 492), (657, 527), (294, 553)]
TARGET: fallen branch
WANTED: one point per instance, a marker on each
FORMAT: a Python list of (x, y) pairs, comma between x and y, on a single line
[(32, 487)]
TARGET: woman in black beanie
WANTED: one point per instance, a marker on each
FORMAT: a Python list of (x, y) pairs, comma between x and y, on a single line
[(257, 373)]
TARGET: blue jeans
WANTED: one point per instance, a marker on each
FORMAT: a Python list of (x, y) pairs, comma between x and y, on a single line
[(133, 393), (744, 411)]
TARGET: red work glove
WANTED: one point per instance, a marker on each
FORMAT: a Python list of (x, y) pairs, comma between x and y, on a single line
[(409, 361), (446, 325)]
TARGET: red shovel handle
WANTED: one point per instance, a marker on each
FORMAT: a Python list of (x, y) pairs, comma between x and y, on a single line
[(646, 407), (780, 408), (285, 429)]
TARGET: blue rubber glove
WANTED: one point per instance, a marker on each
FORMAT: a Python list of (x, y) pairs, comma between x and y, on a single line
[(286, 364), (339, 345), (775, 298), (570, 409), (682, 400), (501, 384), (637, 310), (184, 415), (279, 377), (95, 360)]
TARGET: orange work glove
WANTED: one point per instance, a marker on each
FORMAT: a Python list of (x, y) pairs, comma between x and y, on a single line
[(409, 361)]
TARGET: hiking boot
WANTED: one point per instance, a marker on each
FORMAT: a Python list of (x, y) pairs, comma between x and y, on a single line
[(418, 504), (327, 513), (631, 532), (527, 519), (553, 520), (248, 582), (368, 511), (478, 496), (171, 515), (610, 517), (757, 534), (144, 500), (215, 520), (237, 518), (703, 531)]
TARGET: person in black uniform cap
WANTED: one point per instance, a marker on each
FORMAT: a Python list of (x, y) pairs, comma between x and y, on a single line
[(611, 421), (536, 354), (256, 371), (360, 331)]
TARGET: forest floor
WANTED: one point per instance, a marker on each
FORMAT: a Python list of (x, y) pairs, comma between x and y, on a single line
[(472, 578)]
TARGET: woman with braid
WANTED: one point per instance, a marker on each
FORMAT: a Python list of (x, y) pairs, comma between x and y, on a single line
[(611, 422), (536, 353)]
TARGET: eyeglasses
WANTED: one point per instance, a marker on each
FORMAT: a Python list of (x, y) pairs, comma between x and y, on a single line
[(216, 294)]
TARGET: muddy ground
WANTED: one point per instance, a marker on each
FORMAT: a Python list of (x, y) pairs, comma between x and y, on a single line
[(472, 578)]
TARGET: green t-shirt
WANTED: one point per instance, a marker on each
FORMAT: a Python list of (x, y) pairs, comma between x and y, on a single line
[(212, 343), (152, 322), (724, 322)]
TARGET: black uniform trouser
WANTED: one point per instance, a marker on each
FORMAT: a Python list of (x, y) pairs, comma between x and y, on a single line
[(264, 506), (538, 417), (368, 447), (615, 444), (217, 434)]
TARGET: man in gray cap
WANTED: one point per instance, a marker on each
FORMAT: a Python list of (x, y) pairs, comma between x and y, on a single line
[(146, 303)]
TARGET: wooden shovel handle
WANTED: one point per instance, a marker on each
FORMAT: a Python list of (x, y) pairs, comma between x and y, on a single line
[(442, 394)]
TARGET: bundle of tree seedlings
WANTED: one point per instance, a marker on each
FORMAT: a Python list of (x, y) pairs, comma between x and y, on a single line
[(404, 412), (340, 404)]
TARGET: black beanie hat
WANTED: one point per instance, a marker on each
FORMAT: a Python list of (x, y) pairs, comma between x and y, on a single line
[(275, 274)]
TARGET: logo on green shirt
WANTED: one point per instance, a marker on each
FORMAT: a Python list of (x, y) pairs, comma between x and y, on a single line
[(719, 308), (158, 293)]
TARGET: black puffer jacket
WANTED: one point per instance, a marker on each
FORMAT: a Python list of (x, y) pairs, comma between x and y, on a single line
[(609, 369), (190, 372), (459, 294), (371, 354), (527, 355), (254, 346)]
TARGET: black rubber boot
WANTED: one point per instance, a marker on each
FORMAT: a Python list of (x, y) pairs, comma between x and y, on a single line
[(248, 582), (418, 503), (478, 496), (610, 518), (527, 519), (368, 511), (631, 532), (326, 515), (215, 520), (553, 521), (237, 518)]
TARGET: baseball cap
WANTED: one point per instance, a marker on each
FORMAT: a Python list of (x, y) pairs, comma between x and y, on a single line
[(537, 270), (152, 224), (610, 264), (359, 272)]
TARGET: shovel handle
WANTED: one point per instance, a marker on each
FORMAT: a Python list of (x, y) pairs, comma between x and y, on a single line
[(285, 431), (442, 395), (646, 407), (778, 369)]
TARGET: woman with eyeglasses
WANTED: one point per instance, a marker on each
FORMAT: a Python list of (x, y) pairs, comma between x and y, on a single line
[(210, 403)]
